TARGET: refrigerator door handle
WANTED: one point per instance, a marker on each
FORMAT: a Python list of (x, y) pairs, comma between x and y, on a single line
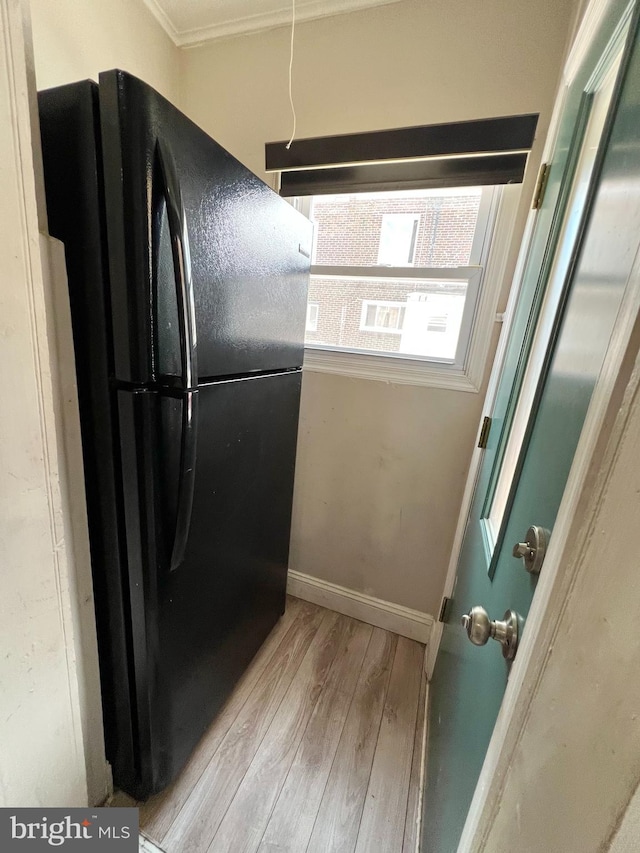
[(182, 265), (187, 477)]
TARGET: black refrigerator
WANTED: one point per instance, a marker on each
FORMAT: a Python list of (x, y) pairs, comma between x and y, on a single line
[(188, 284)]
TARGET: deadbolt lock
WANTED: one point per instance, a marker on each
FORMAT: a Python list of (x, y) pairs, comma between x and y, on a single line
[(480, 629), (533, 549)]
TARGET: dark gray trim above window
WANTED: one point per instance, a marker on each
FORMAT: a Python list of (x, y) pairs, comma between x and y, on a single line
[(482, 136), (414, 174), (485, 152)]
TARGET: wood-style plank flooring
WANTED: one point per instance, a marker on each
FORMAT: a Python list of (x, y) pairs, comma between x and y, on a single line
[(318, 749)]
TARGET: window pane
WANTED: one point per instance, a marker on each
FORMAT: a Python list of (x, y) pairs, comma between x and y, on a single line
[(407, 316), (437, 324), (382, 316), (312, 317), (422, 228), (398, 235)]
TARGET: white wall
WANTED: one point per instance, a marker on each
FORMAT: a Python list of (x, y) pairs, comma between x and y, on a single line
[(409, 63), (76, 39), (382, 467), (41, 739), (378, 478)]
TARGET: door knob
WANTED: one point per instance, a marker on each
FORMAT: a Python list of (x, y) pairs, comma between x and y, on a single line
[(480, 629), (533, 549)]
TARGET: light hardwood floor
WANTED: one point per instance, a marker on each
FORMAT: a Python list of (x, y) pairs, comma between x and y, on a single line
[(318, 749)]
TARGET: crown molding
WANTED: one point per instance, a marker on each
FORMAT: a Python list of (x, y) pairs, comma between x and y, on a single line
[(309, 11), (163, 19)]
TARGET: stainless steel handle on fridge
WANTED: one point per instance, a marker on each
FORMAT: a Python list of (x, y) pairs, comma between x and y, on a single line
[(187, 475), (188, 351), (182, 267)]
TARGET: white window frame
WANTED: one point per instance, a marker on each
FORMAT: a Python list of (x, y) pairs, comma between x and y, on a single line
[(382, 303), (486, 282)]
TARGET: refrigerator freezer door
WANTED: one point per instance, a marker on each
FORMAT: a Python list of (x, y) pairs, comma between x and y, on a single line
[(248, 247), (196, 627)]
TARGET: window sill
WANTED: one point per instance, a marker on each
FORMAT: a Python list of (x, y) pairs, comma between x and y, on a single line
[(402, 371)]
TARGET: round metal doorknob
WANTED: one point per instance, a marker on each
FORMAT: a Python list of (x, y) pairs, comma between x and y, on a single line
[(477, 625), (480, 629)]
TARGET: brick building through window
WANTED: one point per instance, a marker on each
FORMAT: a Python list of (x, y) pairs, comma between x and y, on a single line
[(384, 270)]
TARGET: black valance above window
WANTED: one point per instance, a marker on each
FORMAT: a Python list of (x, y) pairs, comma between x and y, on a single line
[(468, 153)]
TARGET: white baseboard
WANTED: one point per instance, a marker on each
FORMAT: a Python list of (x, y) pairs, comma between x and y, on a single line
[(432, 649), (383, 614)]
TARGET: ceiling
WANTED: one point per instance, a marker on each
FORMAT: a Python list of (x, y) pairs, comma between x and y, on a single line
[(191, 22)]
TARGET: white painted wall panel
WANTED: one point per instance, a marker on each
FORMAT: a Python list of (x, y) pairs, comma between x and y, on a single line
[(76, 39), (40, 718)]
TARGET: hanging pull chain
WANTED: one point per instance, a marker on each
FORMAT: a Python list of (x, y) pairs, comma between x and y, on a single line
[(293, 109)]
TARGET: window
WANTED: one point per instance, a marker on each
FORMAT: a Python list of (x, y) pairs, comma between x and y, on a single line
[(437, 324), (399, 213), (398, 235), (398, 273), (313, 310), (382, 316)]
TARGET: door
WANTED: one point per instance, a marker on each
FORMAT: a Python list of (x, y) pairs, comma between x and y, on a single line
[(241, 252), (586, 238)]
